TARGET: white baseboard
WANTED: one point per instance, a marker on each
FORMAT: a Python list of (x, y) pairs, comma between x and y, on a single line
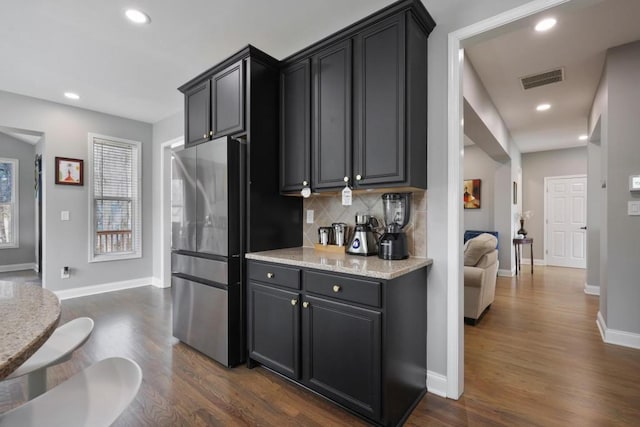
[(436, 384), (527, 261), (613, 336), (18, 267), (506, 273), (591, 290), (158, 283), (105, 287)]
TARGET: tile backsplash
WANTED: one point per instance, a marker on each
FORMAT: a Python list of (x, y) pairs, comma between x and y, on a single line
[(328, 209)]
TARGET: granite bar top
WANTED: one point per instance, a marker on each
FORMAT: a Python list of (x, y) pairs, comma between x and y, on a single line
[(28, 315), (370, 266)]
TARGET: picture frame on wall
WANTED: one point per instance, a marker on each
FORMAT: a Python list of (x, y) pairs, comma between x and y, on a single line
[(69, 171), (471, 196)]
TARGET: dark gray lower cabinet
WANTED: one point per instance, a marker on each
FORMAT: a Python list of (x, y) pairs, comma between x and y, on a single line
[(342, 347), (275, 328), (358, 341)]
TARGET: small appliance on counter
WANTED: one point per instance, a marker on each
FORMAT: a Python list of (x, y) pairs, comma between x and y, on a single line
[(364, 239), (397, 210), (340, 233)]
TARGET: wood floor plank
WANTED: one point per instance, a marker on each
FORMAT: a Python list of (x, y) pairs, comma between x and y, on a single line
[(535, 359)]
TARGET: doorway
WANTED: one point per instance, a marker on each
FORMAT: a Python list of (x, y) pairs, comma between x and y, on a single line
[(565, 224)]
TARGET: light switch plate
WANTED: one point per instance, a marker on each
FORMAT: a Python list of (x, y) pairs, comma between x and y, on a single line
[(634, 183), (309, 216), (64, 215), (634, 208)]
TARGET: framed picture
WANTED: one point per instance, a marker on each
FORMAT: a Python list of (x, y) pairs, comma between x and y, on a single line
[(471, 194), (69, 171)]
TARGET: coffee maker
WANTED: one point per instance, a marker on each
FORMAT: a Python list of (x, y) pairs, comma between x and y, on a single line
[(364, 240), (397, 209)]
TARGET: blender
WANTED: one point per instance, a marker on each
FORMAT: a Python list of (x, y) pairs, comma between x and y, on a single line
[(363, 240), (393, 243)]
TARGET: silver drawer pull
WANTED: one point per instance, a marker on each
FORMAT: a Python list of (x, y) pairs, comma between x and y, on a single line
[(336, 288), (271, 275)]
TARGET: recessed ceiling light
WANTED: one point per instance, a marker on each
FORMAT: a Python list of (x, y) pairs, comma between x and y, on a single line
[(545, 24), (72, 95), (137, 16), (543, 107), (583, 137)]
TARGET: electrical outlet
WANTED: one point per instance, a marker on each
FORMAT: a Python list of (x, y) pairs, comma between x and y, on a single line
[(64, 215), (309, 216), (64, 272)]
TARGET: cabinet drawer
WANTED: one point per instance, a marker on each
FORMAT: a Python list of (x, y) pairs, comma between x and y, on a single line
[(343, 288), (274, 274)]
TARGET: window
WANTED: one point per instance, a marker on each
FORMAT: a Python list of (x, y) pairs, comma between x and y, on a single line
[(8, 203), (114, 213)]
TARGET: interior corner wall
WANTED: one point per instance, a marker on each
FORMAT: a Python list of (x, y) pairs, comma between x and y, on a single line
[(65, 130), (163, 131), (535, 167), (622, 160), (25, 154), (450, 16), (594, 203)]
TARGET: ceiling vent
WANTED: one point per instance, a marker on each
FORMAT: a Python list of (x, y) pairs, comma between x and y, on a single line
[(541, 79)]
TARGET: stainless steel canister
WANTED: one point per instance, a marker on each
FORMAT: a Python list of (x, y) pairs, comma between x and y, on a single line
[(340, 231), (324, 235)]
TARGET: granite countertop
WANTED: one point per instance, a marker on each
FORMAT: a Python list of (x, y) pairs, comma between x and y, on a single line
[(370, 266), (28, 315)]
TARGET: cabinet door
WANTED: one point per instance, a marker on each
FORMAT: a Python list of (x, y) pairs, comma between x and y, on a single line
[(331, 143), (197, 115), (379, 152), (342, 354), (228, 100), (274, 328), (295, 127)]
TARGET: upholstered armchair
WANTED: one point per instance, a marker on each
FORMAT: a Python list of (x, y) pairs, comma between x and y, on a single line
[(480, 271)]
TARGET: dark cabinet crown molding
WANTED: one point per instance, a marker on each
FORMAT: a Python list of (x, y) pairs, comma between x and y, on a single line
[(419, 11), (245, 52)]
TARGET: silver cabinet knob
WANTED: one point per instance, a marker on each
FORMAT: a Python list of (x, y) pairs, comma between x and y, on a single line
[(336, 288), (270, 275), (210, 133), (204, 136), (346, 179), (294, 301), (305, 183), (305, 304), (358, 177)]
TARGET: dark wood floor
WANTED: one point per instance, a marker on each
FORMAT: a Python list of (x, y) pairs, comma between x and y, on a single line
[(536, 358)]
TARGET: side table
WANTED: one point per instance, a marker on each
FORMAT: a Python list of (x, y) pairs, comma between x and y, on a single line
[(517, 244)]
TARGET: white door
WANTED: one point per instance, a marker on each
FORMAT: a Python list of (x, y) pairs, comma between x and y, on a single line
[(566, 221)]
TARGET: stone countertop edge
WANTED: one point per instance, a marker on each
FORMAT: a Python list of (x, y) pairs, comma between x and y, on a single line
[(370, 266)]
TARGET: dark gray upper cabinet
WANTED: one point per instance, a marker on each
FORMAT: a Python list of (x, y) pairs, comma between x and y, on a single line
[(331, 141), (379, 101), (228, 100), (369, 98), (197, 102), (295, 126)]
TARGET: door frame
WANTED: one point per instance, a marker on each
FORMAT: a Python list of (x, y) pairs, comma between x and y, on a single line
[(545, 220), (455, 295), (166, 149)]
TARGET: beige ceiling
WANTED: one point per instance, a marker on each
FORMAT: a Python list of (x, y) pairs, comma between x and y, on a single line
[(578, 43)]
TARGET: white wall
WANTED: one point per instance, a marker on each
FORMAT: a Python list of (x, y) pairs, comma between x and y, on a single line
[(65, 131), (25, 154)]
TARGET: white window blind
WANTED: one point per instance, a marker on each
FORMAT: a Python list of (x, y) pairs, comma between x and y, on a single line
[(115, 189), (8, 203)]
